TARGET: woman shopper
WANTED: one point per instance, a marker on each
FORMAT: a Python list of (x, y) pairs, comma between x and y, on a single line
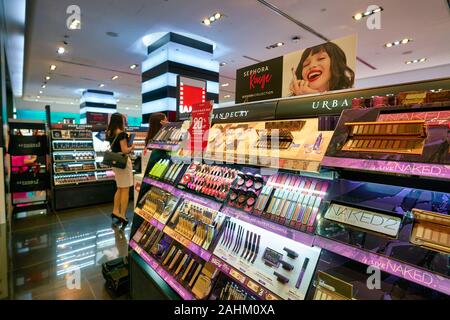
[(118, 140)]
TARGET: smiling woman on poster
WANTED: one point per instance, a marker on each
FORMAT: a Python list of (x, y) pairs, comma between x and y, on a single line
[(322, 68)]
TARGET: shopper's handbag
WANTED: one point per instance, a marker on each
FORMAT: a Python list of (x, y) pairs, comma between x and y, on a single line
[(115, 159)]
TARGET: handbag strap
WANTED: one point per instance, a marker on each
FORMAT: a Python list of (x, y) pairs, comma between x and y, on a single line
[(112, 143)]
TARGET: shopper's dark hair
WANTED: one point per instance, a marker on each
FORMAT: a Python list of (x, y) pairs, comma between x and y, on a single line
[(154, 125), (116, 122), (342, 76)]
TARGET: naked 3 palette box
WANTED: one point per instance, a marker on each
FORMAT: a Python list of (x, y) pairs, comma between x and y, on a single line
[(285, 144), (397, 143)]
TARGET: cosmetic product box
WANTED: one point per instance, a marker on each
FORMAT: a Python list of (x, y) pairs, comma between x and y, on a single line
[(412, 97)]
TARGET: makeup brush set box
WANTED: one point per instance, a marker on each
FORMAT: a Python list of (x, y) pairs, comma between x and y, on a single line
[(170, 136), (291, 144), (281, 265), (409, 225), (411, 144)]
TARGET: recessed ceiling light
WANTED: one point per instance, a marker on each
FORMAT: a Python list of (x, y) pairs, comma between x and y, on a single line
[(47, 78), (127, 108), (101, 85), (38, 97), (223, 64), (358, 16), (43, 86), (397, 43), (71, 103), (118, 100), (133, 66), (213, 18), (40, 92), (61, 50), (227, 96), (52, 67), (275, 45), (225, 84), (115, 78), (416, 61)]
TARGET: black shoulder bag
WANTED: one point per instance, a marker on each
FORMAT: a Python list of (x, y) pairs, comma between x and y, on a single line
[(115, 159)]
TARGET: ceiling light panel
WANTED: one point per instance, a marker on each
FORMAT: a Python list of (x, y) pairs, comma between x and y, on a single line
[(358, 16), (213, 18)]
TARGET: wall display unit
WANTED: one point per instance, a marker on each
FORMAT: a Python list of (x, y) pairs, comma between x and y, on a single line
[(29, 169), (307, 231), (79, 177)]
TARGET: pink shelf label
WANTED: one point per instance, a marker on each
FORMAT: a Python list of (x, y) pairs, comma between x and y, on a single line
[(405, 168), (396, 268)]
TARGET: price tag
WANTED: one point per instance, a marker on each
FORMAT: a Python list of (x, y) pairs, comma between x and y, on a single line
[(239, 277)]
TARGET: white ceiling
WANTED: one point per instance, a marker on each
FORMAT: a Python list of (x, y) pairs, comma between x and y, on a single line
[(248, 27)]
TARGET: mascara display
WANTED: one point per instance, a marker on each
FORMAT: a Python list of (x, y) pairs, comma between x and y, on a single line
[(159, 204)]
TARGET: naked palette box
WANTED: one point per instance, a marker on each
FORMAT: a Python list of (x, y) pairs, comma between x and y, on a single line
[(413, 143)]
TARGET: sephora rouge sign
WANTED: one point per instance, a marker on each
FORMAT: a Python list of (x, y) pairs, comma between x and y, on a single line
[(260, 81)]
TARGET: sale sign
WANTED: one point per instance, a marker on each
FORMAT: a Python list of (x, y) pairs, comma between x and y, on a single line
[(200, 124), (188, 96)]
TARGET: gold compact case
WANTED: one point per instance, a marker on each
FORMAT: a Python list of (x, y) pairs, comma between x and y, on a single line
[(399, 137), (431, 230), (332, 288)]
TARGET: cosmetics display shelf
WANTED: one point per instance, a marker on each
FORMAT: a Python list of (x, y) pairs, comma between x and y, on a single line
[(397, 268), (214, 205), (74, 161), (144, 215), (169, 279), (416, 108)]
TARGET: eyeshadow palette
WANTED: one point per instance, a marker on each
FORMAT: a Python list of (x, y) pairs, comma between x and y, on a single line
[(274, 138), (386, 137), (331, 288), (431, 230), (412, 97)]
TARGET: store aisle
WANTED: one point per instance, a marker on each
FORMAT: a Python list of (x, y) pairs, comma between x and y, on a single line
[(45, 250)]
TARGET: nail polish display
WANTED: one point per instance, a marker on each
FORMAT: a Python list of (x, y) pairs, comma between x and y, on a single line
[(211, 180), (267, 258)]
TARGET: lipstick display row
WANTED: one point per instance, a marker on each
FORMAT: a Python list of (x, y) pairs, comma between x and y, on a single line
[(166, 170), (291, 200), (197, 223), (169, 134), (211, 180)]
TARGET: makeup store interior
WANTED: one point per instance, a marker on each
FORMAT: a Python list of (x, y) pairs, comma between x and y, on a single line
[(225, 150)]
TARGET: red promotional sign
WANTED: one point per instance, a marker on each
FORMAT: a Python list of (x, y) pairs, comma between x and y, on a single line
[(190, 95), (200, 124)]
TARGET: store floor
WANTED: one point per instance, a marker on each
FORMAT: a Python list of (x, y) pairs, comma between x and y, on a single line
[(47, 252)]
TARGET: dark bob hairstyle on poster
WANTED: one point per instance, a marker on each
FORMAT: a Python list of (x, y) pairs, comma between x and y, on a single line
[(342, 76)]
